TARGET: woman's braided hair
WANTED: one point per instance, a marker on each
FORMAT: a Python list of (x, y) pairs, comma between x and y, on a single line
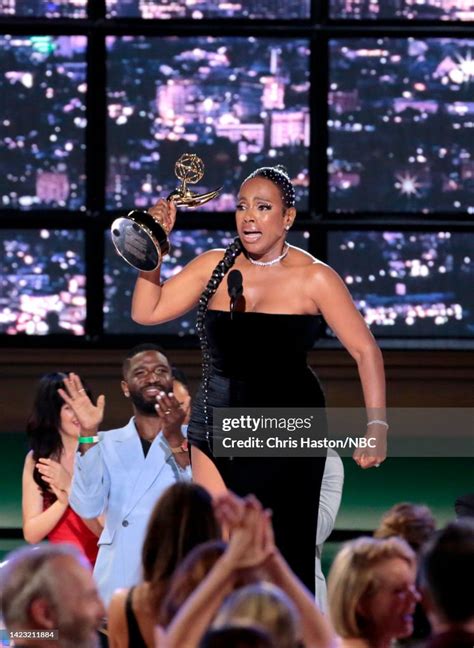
[(232, 251)]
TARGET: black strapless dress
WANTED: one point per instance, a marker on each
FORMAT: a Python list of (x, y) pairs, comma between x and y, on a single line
[(259, 360)]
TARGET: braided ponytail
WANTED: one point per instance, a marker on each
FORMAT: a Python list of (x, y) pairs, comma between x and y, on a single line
[(232, 251)]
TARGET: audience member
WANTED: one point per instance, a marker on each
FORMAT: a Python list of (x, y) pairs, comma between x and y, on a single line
[(182, 518), (265, 605), (372, 593), (447, 577), (47, 588), (251, 547), (464, 505), (182, 393), (121, 473), (53, 430), (414, 523)]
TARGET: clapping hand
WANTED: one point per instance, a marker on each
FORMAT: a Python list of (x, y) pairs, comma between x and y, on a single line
[(170, 411), (251, 541), (56, 476), (89, 415)]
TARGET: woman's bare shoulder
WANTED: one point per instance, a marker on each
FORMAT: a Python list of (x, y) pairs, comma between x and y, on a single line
[(311, 263), (119, 597), (29, 461)]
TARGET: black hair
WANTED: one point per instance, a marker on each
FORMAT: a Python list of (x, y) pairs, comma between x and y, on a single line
[(231, 252), (280, 178), (237, 636), (180, 376), (44, 423), (446, 569), (140, 348)]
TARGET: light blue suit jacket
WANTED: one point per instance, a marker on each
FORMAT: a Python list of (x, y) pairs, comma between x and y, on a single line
[(115, 479)]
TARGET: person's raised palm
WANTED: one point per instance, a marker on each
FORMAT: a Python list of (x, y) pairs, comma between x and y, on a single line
[(90, 416)]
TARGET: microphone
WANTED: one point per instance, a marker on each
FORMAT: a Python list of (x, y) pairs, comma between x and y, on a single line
[(235, 288)]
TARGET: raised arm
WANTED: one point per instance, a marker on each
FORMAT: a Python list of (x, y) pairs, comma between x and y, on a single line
[(248, 548), (91, 481), (331, 296), (154, 302)]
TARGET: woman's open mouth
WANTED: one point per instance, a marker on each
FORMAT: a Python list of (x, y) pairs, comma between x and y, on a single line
[(251, 236)]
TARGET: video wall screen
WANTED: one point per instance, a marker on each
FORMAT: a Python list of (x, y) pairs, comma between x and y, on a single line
[(445, 10), (401, 125), (238, 103), (120, 279), (44, 8), (42, 282), (409, 284), (42, 122), (198, 9)]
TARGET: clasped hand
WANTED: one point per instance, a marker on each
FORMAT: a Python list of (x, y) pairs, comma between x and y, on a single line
[(251, 542)]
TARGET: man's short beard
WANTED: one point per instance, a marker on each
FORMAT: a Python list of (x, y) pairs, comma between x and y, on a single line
[(145, 406), (142, 405)]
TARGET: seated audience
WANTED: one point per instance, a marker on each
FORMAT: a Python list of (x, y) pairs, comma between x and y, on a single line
[(414, 523), (46, 588), (372, 593), (267, 606), (182, 518), (53, 430), (199, 588), (447, 577)]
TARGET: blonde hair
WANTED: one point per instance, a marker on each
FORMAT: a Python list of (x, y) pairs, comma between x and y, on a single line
[(412, 522), (264, 604), (353, 574)]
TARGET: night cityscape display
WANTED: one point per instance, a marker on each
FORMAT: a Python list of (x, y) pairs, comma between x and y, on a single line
[(401, 126), (238, 103), (197, 9), (42, 282), (400, 140), (120, 279), (44, 8), (416, 284), (402, 9), (43, 120)]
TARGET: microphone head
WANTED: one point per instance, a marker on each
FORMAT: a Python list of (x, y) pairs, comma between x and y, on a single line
[(235, 284)]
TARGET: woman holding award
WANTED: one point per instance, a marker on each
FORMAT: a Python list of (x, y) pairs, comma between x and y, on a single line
[(255, 356)]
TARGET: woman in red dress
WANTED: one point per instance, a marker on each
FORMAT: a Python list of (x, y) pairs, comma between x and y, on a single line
[(53, 431)]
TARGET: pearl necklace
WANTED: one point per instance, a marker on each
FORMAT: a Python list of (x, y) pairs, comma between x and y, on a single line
[(265, 264)]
